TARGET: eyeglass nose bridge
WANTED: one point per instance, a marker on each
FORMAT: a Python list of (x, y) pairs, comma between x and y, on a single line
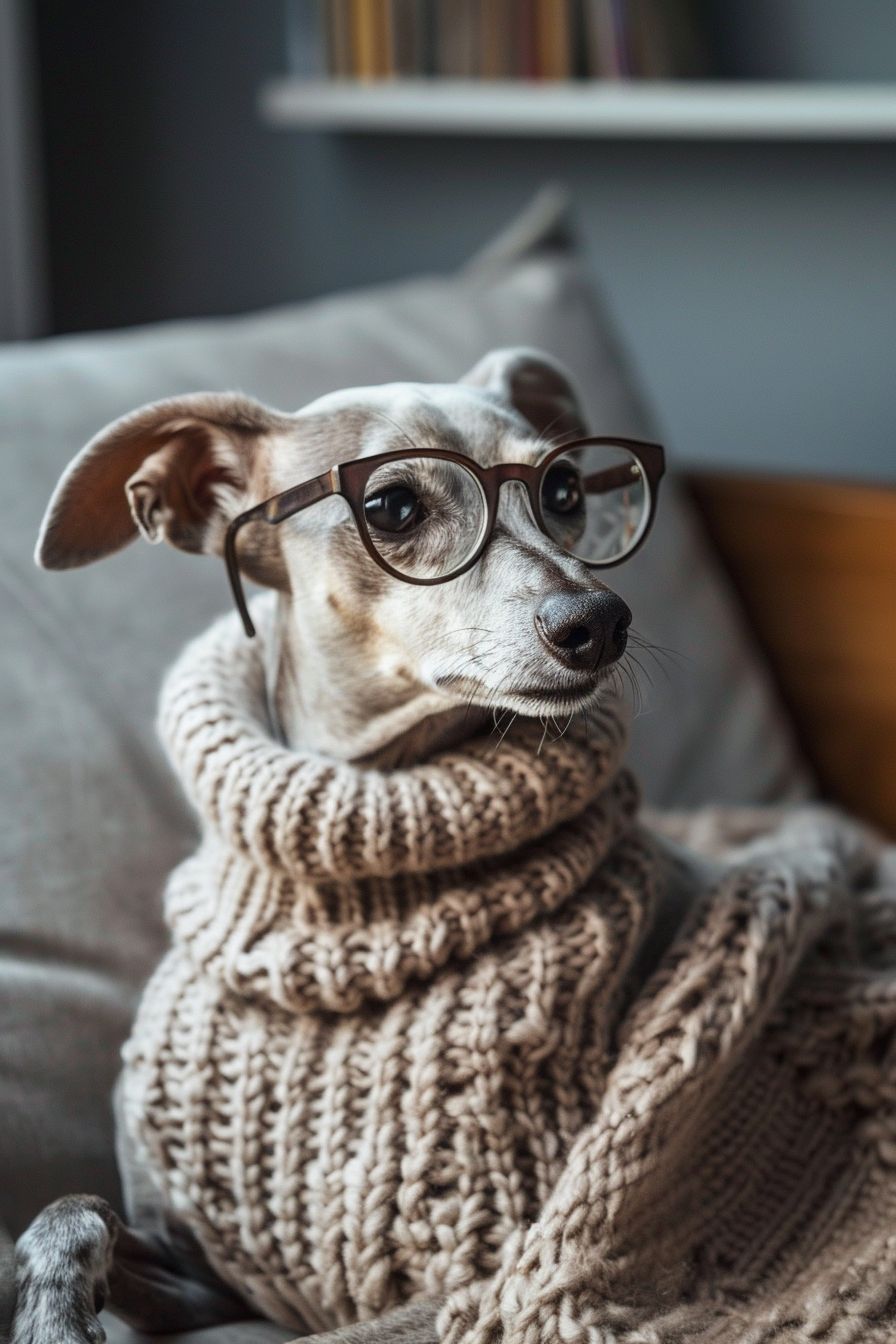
[(525, 475), (512, 471)]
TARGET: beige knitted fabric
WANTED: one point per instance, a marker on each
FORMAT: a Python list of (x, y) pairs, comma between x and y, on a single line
[(400, 1046)]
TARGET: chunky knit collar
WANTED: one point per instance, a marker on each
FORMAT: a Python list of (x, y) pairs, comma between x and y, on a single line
[(320, 884)]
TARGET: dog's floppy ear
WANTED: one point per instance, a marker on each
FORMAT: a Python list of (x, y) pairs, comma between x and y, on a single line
[(535, 385), (174, 471)]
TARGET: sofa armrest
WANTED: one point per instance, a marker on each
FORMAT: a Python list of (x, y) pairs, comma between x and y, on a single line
[(814, 563)]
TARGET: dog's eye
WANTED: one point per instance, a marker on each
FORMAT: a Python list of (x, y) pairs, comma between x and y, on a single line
[(561, 490), (396, 509)]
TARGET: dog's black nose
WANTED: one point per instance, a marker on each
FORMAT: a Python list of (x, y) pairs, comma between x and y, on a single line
[(584, 631)]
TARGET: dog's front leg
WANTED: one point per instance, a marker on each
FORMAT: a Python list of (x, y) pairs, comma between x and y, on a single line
[(62, 1271)]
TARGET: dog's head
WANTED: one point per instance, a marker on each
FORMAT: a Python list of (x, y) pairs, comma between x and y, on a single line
[(364, 655)]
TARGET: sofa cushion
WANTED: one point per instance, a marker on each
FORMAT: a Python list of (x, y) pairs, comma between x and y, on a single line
[(91, 820)]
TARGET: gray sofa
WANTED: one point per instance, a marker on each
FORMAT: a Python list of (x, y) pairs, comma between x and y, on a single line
[(91, 819)]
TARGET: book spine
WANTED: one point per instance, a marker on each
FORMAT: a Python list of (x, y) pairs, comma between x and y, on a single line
[(371, 41), (495, 44), (339, 62), (427, 37), (446, 44), (527, 57), (470, 50), (552, 39), (406, 46), (623, 57), (385, 33), (603, 61)]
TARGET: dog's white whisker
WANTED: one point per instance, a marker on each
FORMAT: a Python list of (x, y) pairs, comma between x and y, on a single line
[(514, 717)]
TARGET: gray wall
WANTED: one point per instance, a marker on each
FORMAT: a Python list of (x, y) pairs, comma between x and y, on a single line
[(754, 285), (22, 297)]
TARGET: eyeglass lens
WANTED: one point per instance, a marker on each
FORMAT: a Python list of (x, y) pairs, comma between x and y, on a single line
[(595, 502), (424, 516)]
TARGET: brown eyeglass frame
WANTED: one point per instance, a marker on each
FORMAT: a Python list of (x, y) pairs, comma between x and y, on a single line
[(349, 479)]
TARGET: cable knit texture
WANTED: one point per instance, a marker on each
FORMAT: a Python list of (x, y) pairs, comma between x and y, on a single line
[(402, 1045)]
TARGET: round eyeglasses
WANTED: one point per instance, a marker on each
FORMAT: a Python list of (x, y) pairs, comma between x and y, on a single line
[(426, 516)]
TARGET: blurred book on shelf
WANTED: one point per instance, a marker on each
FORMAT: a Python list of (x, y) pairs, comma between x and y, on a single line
[(497, 39)]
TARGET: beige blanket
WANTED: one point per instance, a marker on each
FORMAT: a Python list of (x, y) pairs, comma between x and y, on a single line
[(738, 1182)]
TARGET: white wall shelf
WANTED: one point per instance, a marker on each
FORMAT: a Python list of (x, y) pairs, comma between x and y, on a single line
[(637, 110)]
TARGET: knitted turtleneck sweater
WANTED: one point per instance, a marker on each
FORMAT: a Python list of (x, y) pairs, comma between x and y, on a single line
[(400, 1047)]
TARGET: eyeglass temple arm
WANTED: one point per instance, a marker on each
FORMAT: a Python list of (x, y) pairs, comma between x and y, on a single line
[(626, 473), (611, 478), (272, 511)]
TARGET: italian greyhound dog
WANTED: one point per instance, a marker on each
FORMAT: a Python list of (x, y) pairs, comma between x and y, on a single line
[(419, 602)]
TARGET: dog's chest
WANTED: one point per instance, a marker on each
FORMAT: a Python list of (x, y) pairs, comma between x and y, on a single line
[(334, 1164)]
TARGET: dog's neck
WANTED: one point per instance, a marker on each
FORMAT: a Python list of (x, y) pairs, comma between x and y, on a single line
[(437, 731), (342, 709)]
